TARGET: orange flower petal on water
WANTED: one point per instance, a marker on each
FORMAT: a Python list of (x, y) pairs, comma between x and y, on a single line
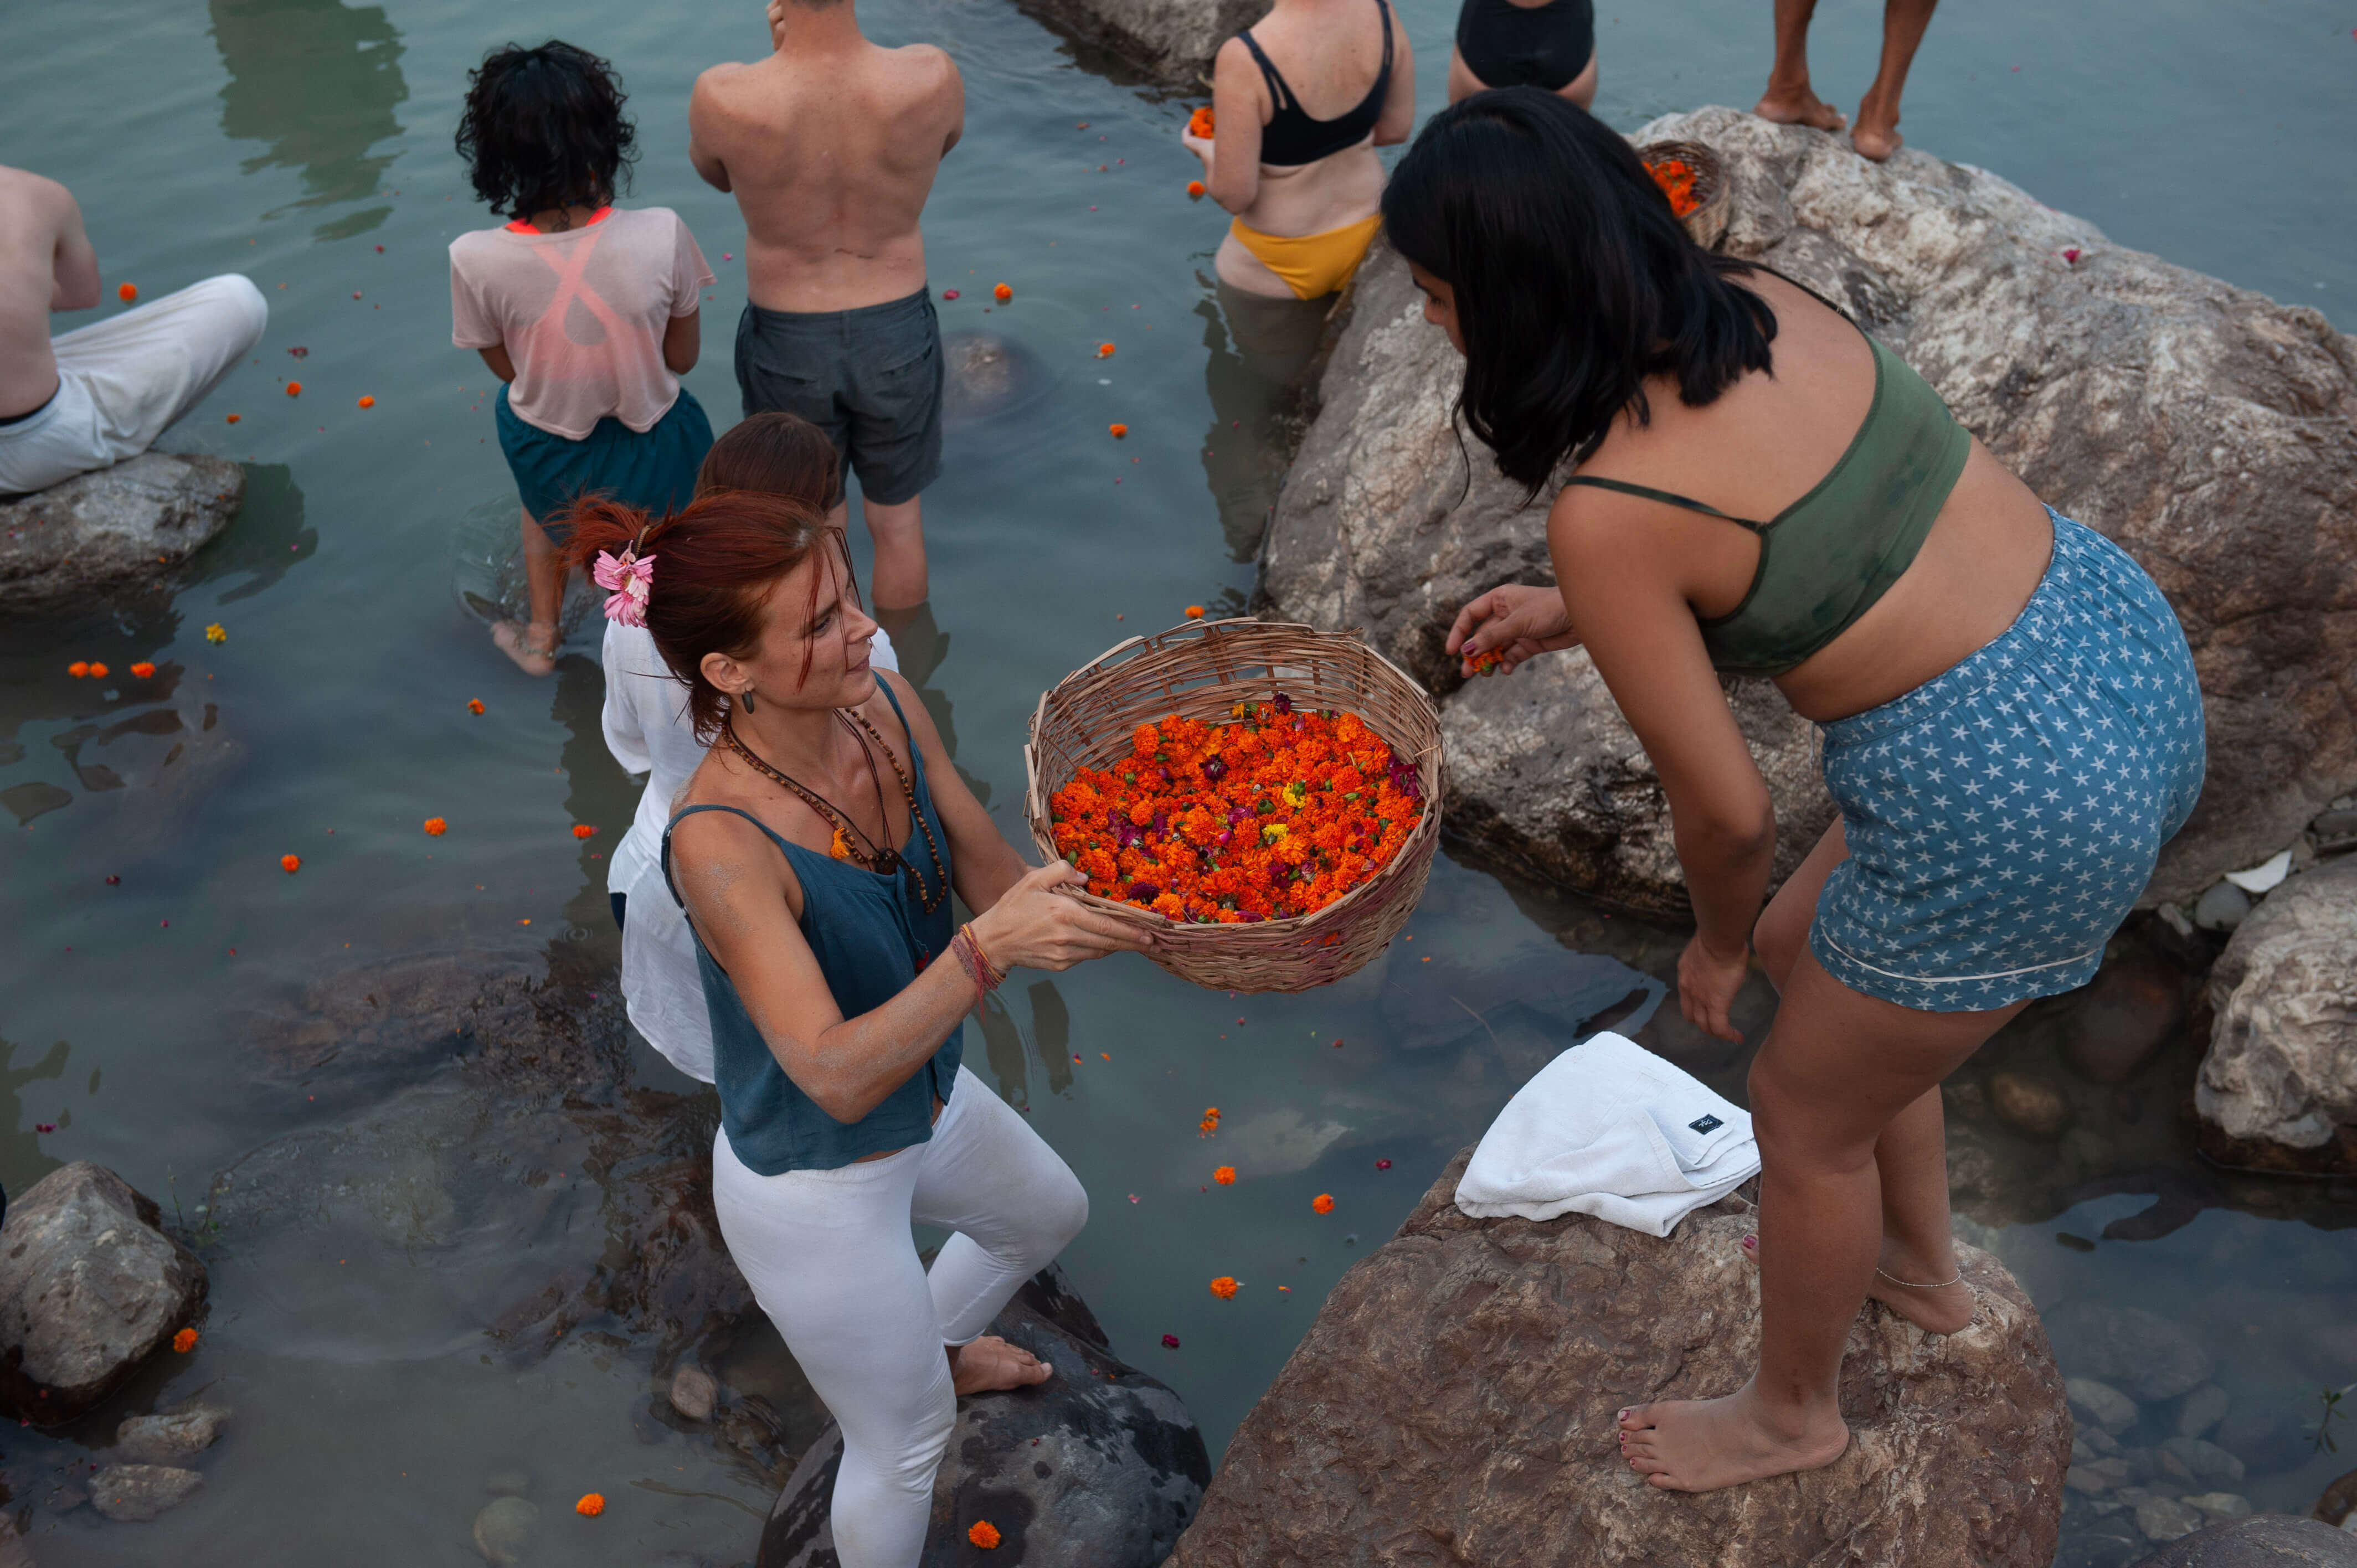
[(1194, 612), (78, 669), (294, 389), (1225, 1176), (233, 419), (582, 830), (1002, 293), (1120, 431), (293, 863), (591, 1505), (982, 1533), (474, 704), (1194, 187), (368, 403), (145, 671), (1323, 1203), (1105, 350), (435, 827), (185, 1340), (97, 672), (1224, 1287), (127, 293)]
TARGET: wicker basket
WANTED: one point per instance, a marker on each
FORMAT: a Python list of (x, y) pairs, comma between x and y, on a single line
[(1707, 221), (1199, 670)]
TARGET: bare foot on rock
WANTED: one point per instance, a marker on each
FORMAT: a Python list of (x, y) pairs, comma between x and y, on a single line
[(1899, 1283), (1876, 136), (985, 1364), (1801, 107), (1700, 1445), (533, 648)]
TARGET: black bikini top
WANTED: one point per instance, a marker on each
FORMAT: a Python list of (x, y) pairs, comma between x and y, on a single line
[(1291, 137)]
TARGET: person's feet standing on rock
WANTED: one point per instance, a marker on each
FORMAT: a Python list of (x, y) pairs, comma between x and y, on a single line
[(1790, 100), (830, 146), (586, 312), (2012, 727), (101, 393)]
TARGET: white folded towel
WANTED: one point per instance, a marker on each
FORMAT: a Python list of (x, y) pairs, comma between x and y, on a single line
[(1609, 1129)]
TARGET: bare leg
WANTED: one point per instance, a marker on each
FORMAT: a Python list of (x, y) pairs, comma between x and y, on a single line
[(983, 1365), (898, 532), (1789, 99), (1903, 24), (1581, 89), (1839, 1069), (533, 648)]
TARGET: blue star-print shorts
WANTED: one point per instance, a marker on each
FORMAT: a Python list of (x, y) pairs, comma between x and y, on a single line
[(2003, 817)]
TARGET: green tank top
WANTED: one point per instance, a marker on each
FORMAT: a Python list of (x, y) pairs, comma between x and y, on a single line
[(1825, 559)]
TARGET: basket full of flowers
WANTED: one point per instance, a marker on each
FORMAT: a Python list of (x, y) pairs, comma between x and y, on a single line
[(1266, 796)]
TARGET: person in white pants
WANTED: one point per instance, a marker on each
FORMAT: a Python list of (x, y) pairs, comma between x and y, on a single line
[(103, 393)]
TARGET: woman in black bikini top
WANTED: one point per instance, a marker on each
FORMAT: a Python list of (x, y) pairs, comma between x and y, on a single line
[(1548, 43), (1291, 137)]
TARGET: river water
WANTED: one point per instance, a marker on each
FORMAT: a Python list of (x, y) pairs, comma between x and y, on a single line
[(157, 1027)]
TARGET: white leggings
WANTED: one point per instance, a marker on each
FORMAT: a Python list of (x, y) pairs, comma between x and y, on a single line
[(830, 1258)]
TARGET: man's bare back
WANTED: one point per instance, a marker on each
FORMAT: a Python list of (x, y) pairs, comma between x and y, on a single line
[(46, 263), (830, 146)]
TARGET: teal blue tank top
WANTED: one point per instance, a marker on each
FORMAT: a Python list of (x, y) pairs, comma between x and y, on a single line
[(871, 937)]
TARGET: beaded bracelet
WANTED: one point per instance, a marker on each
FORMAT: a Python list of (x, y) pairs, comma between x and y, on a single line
[(987, 977)]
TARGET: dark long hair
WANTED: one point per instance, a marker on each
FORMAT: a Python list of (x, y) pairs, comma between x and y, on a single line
[(544, 127), (1575, 282), (717, 562), (781, 452)]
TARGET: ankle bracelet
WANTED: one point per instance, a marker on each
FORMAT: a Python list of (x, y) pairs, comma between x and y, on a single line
[(1956, 1278)]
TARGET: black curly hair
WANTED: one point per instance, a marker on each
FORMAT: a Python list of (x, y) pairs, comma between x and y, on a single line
[(544, 128)]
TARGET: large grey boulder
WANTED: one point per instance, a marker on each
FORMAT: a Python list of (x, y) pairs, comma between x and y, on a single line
[(1101, 1467), (1171, 42), (1454, 1402), (99, 533), (2282, 1066), (2263, 1541), (2211, 431), (90, 1287)]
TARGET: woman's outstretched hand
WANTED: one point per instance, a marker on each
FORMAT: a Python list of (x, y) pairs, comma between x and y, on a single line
[(1035, 926), (1707, 983), (1518, 621)]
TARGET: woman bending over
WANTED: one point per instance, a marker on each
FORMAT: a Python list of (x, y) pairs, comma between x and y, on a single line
[(2010, 721), (816, 850), (1549, 44)]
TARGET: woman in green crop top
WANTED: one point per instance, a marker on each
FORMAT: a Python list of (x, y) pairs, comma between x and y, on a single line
[(2011, 724)]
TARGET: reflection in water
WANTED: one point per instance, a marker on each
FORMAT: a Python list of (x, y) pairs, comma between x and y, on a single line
[(317, 81), (265, 539), (22, 1161), (601, 796), (1260, 348)]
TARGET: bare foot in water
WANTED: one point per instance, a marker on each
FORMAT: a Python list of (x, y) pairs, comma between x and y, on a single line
[(1700, 1445), (533, 648), (1899, 1283), (1877, 135), (990, 1363), (1801, 107)]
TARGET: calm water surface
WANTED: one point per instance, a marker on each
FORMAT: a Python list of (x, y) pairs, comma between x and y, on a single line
[(307, 142)]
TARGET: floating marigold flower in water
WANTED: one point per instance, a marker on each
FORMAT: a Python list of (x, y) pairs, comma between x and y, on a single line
[(474, 704), (366, 402), (1194, 612), (1224, 1287), (1225, 1176), (185, 1340), (582, 830), (145, 671), (233, 419), (1002, 292), (97, 671), (1120, 431), (294, 389), (293, 863), (591, 1505), (217, 633), (1105, 350), (78, 669), (435, 827), (982, 1533), (126, 293), (1323, 1203)]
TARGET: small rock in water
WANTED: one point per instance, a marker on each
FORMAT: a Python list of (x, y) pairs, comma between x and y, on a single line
[(693, 1394), (2032, 1105), (136, 1493), (2267, 1441), (2202, 1409), (169, 1439), (2221, 908), (2334, 827), (2096, 1476), (2133, 1009), (2222, 1505), (2192, 1459), (503, 1529), (2141, 1354), (2166, 1519), (2338, 1506), (2100, 1405)]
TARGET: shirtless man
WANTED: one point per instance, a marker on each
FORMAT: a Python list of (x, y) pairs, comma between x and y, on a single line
[(103, 393), (1790, 100), (830, 146)]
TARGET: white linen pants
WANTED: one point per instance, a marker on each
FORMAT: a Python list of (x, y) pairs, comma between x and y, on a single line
[(122, 380), (830, 1258)]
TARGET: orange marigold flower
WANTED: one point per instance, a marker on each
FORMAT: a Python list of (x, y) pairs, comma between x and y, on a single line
[(1224, 1287), (1194, 612), (97, 671), (1002, 293), (591, 1505), (294, 389), (1105, 350), (1202, 121), (145, 671), (368, 403), (1194, 187), (126, 293), (185, 1340), (78, 669), (474, 704), (1323, 1203), (1120, 431), (293, 863), (234, 418), (1225, 1176), (982, 1533), (435, 827), (582, 830)]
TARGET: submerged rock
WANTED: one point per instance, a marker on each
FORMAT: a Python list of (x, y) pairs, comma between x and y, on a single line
[(2282, 1067), (503, 1529), (1170, 41), (100, 533), (1101, 1467), (2209, 431), (693, 1394), (170, 1438), (137, 1493), (2263, 1541), (2141, 1354), (90, 1287), (985, 375), (1455, 1401)]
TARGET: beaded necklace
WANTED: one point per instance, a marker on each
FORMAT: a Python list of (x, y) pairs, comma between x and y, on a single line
[(876, 857)]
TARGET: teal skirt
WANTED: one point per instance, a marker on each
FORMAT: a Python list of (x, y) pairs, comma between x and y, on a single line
[(654, 472)]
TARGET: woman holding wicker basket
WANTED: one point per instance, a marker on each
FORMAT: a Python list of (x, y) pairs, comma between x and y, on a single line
[(815, 851), (2011, 724)]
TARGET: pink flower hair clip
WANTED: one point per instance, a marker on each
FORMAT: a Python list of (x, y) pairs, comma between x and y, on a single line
[(628, 580)]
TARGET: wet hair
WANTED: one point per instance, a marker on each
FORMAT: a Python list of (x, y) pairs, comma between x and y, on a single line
[(782, 453), (1575, 282), (544, 128), (719, 561)]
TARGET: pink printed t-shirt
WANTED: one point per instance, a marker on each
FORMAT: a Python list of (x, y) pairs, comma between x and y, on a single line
[(582, 313)]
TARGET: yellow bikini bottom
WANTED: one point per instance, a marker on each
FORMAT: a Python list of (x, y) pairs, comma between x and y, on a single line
[(1311, 265)]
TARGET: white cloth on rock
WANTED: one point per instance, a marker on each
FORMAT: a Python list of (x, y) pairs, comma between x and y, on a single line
[(122, 380), (646, 730), (1609, 1129)]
